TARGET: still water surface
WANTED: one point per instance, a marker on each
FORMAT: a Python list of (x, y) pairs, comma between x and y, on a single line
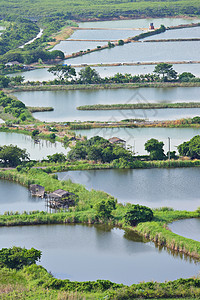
[(36, 151), (65, 103), (189, 228), (143, 52), (15, 197), (83, 253), (193, 32), (177, 188), (104, 34)]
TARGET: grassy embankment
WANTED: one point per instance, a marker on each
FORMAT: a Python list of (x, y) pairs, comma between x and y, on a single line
[(139, 106), (24, 88), (84, 212), (34, 282)]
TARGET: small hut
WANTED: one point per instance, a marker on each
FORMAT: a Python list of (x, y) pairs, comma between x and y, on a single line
[(37, 190), (118, 141), (61, 199)]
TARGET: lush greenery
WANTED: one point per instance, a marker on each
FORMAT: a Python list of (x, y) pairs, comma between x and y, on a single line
[(101, 9), (34, 282), (10, 107), (139, 106), (18, 32), (155, 148), (17, 257), (12, 156), (138, 213), (191, 148), (99, 149)]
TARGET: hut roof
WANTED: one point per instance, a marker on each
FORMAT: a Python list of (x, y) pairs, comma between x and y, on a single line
[(116, 139), (60, 194)]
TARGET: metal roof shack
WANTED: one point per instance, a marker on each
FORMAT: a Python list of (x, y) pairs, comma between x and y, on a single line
[(116, 140), (37, 190), (61, 199)]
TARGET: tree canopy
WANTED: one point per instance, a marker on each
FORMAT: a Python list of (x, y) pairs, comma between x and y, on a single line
[(89, 75), (12, 155), (190, 148), (166, 71), (138, 213), (155, 148), (62, 71), (17, 257)]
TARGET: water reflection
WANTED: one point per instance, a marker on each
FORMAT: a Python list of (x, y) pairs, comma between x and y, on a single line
[(88, 253)]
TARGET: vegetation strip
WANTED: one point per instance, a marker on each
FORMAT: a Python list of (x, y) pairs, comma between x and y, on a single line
[(139, 106), (33, 109), (86, 212)]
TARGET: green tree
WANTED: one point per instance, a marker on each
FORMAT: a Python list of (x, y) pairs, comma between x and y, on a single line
[(186, 76), (138, 213), (62, 71), (120, 42), (155, 148), (4, 81), (166, 71), (12, 155), (35, 132), (190, 148), (104, 209), (17, 257), (89, 75), (57, 157)]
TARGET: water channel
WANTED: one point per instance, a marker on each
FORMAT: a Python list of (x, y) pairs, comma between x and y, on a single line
[(189, 228), (83, 253), (177, 188), (65, 103)]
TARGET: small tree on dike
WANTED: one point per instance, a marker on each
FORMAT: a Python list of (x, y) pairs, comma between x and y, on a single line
[(138, 213)]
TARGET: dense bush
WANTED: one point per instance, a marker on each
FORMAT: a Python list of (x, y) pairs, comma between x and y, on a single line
[(138, 213), (17, 257)]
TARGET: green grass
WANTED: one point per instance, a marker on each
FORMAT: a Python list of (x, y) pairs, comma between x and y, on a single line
[(81, 9), (139, 106)]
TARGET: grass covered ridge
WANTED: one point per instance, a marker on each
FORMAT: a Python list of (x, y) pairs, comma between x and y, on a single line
[(85, 212)]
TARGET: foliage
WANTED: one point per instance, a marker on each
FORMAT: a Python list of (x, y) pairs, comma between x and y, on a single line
[(17, 257), (155, 148), (14, 107), (166, 71), (12, 155), (104, 209), (186, 76), (137, 214), (98, 149), (88, 75), (4, 81), (62, 71), (18, 32), (190, 148), (120, 42), (57, 157)]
